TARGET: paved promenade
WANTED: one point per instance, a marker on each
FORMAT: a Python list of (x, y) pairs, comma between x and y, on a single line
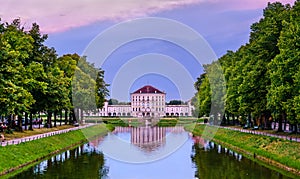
[(250, 131), (39, 136)]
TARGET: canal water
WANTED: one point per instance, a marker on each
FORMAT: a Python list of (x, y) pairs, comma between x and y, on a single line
[(149, 153)]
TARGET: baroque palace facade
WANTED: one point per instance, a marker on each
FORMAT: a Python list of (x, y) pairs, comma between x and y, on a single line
[(145, 102)]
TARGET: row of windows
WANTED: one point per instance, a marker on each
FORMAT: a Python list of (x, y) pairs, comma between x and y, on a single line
[(139, 109), (129, 114), (177, 109), (147, 104), (159, 100), (115, 109), (143, 98), (157, 97)]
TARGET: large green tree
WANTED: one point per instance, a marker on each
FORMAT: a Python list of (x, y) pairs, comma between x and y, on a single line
[(284, 68), (15, 48)]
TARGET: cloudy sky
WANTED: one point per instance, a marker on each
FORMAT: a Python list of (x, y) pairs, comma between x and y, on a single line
[(72, 25)]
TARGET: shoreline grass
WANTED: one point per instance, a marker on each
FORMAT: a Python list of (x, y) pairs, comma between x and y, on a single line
[(14, 157), (280, 153)]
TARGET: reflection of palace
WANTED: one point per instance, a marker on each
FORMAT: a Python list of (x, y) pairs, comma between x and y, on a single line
[(146, 101), (148, 138)]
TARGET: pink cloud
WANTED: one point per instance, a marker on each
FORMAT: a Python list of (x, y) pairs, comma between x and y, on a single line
[(57, 15), (251, 4)]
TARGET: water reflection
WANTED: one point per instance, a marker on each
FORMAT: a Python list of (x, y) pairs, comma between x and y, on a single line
[(148, 138), (214, 161), (82, 162), (143, 144), (195, 158)]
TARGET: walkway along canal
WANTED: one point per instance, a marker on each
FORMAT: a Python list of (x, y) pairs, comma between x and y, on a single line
[(39, 136)]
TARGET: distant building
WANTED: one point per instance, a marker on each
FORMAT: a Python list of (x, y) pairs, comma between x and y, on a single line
[(146, 101)]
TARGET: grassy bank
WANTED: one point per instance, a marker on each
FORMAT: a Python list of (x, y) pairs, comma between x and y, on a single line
[(171, 122), (115, 121), (125, 122), (277, 152), (16, 156)]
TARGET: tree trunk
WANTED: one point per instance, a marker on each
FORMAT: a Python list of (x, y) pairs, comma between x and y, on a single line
[(30, 122), (268, 120), (49, 120), (275, 122), (285, 123), (260, 121), (41, 120), (66, 117), (74, 116), (26, 120), (249, 122), (55, 114), (77, 114), (70, 116), (223, 122), (228, 116), (280, 123), (81, 116), (60, 115), (233, 119), (20, 123), (9, 120)]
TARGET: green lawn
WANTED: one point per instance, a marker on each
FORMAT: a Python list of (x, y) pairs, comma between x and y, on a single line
[(14, 156), (283, 151)]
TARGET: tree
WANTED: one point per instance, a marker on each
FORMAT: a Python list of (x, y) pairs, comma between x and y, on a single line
[(88, 87), (175, 102), (204, 97), (113, 101), (15, 48), (284, 89)]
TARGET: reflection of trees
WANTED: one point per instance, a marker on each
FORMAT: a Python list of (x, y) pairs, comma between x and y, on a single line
[(211, 164), (82, 162)]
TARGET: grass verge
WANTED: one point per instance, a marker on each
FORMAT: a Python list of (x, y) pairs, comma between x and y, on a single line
[(14, 157), (171, 122), (274, 151)]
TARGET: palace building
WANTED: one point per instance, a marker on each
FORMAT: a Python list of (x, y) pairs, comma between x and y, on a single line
[(145, 102)]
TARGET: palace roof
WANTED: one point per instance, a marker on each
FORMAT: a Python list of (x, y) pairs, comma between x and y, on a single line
[(148, 89)]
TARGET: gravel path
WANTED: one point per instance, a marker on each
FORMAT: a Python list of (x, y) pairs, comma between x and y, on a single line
[(296, 139), (39, 136)]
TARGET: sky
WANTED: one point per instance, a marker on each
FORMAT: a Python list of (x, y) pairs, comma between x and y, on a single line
[(75, 27)]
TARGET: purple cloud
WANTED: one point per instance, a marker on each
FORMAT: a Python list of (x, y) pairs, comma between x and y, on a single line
[(58, 16)]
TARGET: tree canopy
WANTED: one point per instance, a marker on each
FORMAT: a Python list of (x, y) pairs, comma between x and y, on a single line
[(262, 76), (34, 79)]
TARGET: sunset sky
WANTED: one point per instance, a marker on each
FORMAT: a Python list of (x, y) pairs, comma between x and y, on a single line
[(72, 25)]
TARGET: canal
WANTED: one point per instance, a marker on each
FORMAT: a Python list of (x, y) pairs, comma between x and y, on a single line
[(149, 152)]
